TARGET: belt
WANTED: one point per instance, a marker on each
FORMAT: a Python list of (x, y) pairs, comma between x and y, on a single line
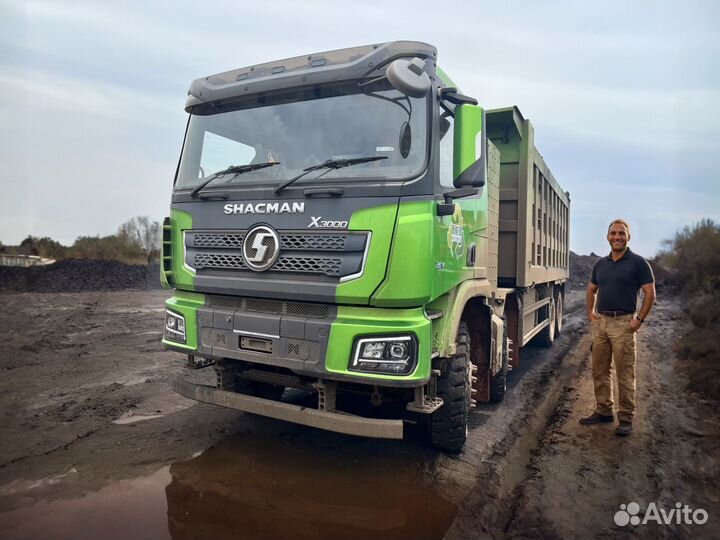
[(615, 313)]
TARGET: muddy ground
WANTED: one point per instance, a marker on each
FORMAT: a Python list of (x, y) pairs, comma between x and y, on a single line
[(96, 445)]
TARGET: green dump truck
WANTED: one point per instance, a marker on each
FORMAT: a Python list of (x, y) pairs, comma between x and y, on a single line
[(348, 224)]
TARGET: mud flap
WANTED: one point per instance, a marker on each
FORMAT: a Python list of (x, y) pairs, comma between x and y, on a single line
[(482, 385)]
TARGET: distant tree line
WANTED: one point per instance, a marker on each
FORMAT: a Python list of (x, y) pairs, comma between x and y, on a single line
[(694, 255), (137, 241)]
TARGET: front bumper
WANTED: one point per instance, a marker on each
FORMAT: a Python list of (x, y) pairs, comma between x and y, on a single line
[(338, 422), (317, 346)]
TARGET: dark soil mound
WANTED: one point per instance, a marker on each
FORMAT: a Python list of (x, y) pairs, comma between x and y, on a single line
[(74, 275), (580, 269)]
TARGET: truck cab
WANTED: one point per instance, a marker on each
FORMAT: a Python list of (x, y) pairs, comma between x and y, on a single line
[(335, 228)]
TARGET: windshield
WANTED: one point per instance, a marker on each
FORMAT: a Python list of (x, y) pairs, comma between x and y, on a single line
[(304, 128)]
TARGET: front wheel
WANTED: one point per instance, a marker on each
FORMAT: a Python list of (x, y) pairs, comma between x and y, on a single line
[(449, 424)]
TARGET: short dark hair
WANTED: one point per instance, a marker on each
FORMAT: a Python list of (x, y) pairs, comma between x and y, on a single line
[(621, 222)]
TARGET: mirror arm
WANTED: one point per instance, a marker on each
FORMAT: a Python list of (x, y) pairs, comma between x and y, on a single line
[(448, 208), (450, 93), (447, 109)]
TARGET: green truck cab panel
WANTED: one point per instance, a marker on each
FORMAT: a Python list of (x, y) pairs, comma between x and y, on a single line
[(182, 276), (409, 277), (166, 255), (186, 304), (355, 322), (430, 253), (379, 221)]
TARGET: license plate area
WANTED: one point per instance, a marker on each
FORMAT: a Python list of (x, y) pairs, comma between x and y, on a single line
[(256, 344)]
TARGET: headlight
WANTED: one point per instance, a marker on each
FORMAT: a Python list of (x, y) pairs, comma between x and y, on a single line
[(174, 327), (395, 355)]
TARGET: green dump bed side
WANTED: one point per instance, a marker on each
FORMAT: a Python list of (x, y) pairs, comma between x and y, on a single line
[(534, 210)]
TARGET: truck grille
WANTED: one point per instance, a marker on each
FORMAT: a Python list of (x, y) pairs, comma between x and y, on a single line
[(275, 307), (289, 241), (333, 255)]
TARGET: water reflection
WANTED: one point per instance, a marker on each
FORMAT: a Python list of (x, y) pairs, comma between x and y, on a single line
[(254, 488)]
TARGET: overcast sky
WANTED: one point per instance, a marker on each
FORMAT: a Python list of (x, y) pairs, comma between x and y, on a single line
[(623, 96)]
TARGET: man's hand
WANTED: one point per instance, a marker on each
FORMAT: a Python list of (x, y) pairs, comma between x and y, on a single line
[(635, 324), (590, 302)]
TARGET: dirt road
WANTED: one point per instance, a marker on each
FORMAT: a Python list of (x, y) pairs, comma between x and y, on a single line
[(96, 445)]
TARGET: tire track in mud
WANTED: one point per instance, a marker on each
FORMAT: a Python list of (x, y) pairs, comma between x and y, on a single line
[(557, 479), (491, 507)]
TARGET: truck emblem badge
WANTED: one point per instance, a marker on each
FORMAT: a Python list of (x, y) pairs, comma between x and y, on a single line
[(261, 248), (264, 208), (327, 224)]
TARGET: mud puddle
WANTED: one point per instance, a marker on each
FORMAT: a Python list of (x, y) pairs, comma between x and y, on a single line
[(254, 488), (126, 509)]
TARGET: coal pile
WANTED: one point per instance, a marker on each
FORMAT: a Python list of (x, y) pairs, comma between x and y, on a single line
[(74, 275), (581, 269)]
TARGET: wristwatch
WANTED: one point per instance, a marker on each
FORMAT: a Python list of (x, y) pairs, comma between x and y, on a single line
[(639, 319)]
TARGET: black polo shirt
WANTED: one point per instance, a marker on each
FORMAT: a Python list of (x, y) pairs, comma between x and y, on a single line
[(619, 281)]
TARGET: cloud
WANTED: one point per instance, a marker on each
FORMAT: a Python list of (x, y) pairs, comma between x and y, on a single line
[(29, 88), (622, 96)]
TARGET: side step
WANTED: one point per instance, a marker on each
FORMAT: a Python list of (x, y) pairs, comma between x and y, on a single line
[(336, 421)]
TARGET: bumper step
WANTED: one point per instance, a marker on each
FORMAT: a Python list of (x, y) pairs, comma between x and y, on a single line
[(336, 421)]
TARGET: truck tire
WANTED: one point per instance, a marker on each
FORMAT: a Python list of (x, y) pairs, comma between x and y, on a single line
[(547, 334), (558, 313), (448, 425), (498, 386)]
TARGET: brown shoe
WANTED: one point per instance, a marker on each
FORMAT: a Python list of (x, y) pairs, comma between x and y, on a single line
[(596, 418), (624, 428)]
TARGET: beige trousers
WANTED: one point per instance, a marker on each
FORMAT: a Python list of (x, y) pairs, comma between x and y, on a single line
[(614, 340)]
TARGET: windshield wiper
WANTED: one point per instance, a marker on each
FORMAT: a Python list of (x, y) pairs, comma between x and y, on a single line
[(234, 170), (329, 164)]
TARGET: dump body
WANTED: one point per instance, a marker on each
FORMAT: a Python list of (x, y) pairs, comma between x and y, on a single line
[(534, 210), (347, 223)]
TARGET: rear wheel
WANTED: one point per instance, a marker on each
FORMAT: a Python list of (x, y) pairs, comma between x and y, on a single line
[(558, 313), (498, 386), (547, 334), (448, 425), (498, 382)]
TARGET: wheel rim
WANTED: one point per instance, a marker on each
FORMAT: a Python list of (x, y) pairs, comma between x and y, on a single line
[(558, 314), (468, 405)]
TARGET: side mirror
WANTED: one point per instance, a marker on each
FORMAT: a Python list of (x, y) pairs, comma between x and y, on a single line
[(469, 161), (409, 77)]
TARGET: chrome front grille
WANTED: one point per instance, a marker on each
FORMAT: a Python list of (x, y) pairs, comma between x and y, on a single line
[(309, 265), (314, 242), (290, 240), (223, 261), (215, 240), (323, 255)]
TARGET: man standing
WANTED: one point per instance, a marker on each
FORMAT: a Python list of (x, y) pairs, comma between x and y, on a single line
[(617, 279)]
